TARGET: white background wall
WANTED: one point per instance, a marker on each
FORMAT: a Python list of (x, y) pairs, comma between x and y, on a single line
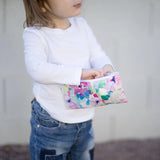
[(129, 32)]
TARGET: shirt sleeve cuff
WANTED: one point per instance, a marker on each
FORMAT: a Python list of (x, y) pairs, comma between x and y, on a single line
[(75, 76), (78, 76)]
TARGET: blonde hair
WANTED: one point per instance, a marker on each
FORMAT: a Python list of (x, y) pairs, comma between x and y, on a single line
[(37, 13)]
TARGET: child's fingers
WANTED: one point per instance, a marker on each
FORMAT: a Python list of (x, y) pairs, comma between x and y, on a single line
[(92, 73), (99, 74)]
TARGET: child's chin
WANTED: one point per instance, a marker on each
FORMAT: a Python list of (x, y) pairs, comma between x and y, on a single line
[(77, 12)]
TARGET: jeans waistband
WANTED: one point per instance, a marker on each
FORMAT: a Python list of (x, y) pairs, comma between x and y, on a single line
[(79, 123)]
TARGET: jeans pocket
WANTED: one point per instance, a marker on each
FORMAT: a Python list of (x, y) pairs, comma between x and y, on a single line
[(48, 123), (42, 117)]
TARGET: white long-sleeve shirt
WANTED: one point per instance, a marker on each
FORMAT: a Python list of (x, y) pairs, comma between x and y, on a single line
[(54, 57)]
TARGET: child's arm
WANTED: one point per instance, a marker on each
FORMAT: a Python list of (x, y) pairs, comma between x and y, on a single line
[(38, 67), (98, 58)]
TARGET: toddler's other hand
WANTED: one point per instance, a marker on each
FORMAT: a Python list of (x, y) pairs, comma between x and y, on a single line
[(91, 73), (107, 69)]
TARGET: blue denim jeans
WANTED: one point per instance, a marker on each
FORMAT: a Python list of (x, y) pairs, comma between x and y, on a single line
[(51, 139)]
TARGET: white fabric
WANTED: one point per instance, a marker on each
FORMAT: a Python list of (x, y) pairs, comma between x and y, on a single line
[(54, 57)]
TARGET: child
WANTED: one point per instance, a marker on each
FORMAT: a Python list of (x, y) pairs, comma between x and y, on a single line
[(60, 48)]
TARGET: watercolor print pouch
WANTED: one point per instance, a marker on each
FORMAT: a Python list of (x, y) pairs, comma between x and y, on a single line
[(95, 92)]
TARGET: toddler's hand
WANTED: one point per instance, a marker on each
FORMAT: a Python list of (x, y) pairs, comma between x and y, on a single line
[(91, 73), (107, 69)]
